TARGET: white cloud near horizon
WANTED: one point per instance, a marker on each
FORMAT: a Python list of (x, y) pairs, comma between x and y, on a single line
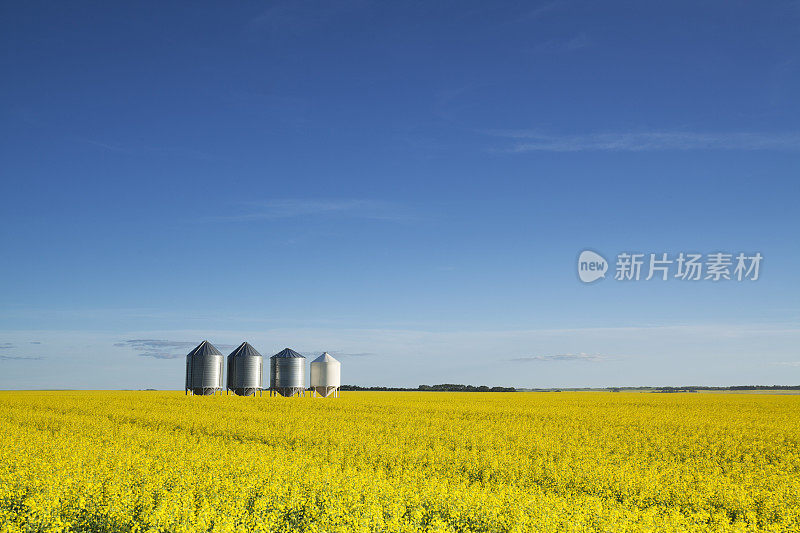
[(535, 141), (163, 349), (654, 355), (582, 357)]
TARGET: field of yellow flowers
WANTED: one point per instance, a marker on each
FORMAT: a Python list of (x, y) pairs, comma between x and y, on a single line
[(406, 461)]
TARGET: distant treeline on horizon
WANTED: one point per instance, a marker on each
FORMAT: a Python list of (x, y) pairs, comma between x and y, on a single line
[(705, 387), (445, 387), (452, 387)]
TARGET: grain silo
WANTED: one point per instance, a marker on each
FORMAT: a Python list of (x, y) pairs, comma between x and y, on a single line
[(244, 370), (204, 369), (287, 373), (326, 375)]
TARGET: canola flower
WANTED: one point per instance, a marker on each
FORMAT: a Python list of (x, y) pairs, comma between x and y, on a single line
[(404, 461)]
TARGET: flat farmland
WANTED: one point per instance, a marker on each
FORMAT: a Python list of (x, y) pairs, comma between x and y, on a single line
[(399, 461)]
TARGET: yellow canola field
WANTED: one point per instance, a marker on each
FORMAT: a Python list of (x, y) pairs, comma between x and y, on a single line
[(162, 461)]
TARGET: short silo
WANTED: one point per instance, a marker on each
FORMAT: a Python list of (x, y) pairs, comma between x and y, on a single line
[(326, 375), (287, 373), (244, 370), (204, 369)]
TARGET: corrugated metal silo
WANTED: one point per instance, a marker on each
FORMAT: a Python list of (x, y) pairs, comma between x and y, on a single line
[(287, 373), (244, 370), (326, 375), (204, 369)]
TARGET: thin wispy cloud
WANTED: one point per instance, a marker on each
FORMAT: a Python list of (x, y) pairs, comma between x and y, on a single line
[(540, 10), (300, 207), (291, 19), (164, 349), (6, 345), (143, 150), (283, 18), (579, 41), (576, 42), (587, 357), (110, 146), (30, 118), (20, 358), (158, 348), (356, 354), (532, 141), (337, 353), (788, 363)]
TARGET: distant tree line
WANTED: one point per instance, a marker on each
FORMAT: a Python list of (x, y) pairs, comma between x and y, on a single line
[(695, 388), (757, 387), (356, 387), (452, 387), (445, 387)]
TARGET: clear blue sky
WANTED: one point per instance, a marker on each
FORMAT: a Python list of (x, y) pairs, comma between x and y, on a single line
[(406, 186)]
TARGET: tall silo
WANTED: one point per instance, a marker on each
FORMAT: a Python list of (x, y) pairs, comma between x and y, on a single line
[(287, 373), (204, 369), (326, 375), (244, 370)]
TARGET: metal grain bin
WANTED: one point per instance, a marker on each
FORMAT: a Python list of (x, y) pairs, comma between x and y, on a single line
[(244, 370), (204, 369), (287, 373), (326, 375)]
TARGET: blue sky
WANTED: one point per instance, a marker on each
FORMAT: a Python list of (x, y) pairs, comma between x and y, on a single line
[(405, 185)]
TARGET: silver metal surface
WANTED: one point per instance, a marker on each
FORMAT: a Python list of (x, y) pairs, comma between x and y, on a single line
[(204, 369), (245, 367), (287, 373)]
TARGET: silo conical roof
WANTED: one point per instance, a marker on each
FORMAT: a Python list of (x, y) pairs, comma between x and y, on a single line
[(287, 353), (204, 348), (245, 350), (325, 358)]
